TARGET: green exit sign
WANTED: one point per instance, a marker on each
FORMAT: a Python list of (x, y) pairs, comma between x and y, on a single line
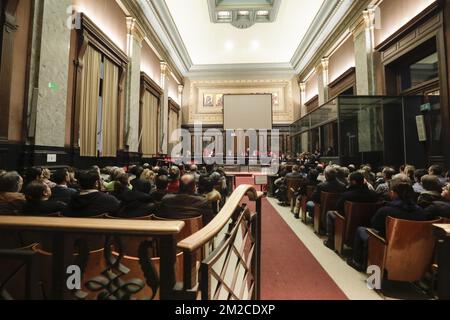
[(425, 107), (53, 86)]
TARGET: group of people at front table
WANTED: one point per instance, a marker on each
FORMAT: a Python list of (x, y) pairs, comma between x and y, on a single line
[(169, 193), (408, 194)]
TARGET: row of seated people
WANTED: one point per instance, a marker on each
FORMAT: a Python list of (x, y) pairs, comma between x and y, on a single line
[(138, 193), (412, 195)]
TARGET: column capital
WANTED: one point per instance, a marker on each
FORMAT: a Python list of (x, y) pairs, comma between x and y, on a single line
[(180, 89), (302, 85), (135, 30), (325, 63)]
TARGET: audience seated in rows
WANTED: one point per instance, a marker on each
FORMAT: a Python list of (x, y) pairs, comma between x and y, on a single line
[(137, 202)]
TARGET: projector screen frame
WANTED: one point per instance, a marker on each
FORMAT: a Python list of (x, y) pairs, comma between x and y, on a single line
[(249, 94)]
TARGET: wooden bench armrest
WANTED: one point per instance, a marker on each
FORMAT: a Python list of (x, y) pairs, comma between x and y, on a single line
[(339, 232), (374, 234)]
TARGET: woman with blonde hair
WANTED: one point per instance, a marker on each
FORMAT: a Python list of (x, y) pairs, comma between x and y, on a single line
[(148, 175)]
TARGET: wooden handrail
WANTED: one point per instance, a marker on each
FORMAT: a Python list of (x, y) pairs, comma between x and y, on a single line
[(205, 235), (82, 225)]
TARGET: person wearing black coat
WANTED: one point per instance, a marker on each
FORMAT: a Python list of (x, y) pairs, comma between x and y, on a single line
[(137, 202), (402, 207), (357, 192), (331, 185)]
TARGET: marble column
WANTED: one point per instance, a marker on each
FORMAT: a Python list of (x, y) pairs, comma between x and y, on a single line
[(365, 55), (51, 72), (165, 73), (134, 46), (322, 79), (303, 110), (180, 102)]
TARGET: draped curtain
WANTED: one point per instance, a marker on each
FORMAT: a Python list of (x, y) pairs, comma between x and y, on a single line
[(173, 125), (109, 109), (149, 122), (90, 86)]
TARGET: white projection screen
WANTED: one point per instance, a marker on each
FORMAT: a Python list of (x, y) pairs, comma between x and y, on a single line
[(244, 112)]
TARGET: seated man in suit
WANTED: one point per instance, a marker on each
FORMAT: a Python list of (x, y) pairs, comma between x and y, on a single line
[(61, 192), (441, 209), (331, 185), (91, 202), (161, 183), (356, 192), (295, 173), (186, 204)]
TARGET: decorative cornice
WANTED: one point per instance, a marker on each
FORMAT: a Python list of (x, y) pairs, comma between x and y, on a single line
[(347, 15)]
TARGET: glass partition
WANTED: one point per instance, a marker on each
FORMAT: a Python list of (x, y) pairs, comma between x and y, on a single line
[(375, 130)]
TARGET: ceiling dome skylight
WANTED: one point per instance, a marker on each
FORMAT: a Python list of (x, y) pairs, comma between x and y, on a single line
[(243, 13)]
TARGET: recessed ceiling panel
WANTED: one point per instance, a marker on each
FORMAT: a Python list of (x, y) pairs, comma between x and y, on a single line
[(222, 43)]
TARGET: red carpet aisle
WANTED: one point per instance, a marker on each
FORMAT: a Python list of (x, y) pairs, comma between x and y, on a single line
[(289, 270)]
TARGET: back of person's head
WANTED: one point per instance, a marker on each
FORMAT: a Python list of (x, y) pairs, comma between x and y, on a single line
[(116, 172), (403, 192), (431, 183), (148, 175), (32, 174), (143, 186), (162, 182), (187, 185), (89, 179), (388, 173), (205, 184), (435, 170), (174, 173), (10, 182), (357, 178), (342, 173), (121, 184), (137, 171), (409, 171), (46, 173), (163, 172), (418, 174), (295, 169), (313, 175), (400, 178), (193, 168), (319, 168), (2, 172), (330, 173), (60, 176), (36, 191), (352, 168)]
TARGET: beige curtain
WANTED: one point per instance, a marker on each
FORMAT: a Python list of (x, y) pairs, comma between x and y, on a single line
[(149, 130), (90, 88), (109, 109), (173, 125)]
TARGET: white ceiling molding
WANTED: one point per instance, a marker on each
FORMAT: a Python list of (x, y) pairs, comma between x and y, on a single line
[(162, 23), (325, 22), (242, 71), (331, 13)]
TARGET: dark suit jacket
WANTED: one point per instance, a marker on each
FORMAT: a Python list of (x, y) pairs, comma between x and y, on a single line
[(63, 194), (439, 209), (357, 194), (333, 186), (397, 210), (185, 206)]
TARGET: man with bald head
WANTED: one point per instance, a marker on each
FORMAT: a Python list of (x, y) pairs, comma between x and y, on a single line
[(187, 203)]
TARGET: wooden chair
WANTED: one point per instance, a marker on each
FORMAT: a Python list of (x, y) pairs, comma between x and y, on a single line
[(328, 202), (293, 184), (191, 226), (309, 192), (356, 215), (407, 252)]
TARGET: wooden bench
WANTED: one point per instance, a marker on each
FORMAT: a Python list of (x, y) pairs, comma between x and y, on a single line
[(328, 202), (355, 215)]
